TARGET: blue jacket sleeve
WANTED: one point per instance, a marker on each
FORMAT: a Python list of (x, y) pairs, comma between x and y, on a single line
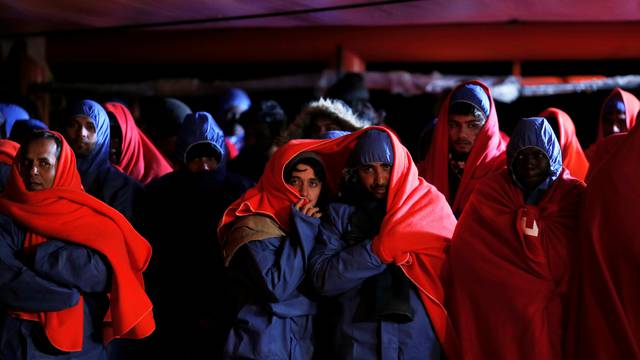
[(337, 267), (21, 288), (277, 266), (72, 265)]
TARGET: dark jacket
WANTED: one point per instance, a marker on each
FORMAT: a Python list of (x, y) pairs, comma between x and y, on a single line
[(181, 213), (342, 268), (51, 280)]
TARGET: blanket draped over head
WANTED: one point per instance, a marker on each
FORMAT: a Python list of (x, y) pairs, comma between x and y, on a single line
[(415, 232), (487, 154), (67, 213)]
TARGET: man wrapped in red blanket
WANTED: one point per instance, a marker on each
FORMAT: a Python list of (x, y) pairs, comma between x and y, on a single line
[(71, 266), (511, 253)]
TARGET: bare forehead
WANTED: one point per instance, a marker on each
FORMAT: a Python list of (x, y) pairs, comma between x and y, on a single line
[(40, 148)]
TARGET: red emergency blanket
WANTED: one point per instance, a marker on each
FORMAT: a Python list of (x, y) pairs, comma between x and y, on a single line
[(415, 233), (487, 155), (510, 265), (67, 213)]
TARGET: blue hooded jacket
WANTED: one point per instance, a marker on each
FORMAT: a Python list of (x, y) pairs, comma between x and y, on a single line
[(536, 132), (343, 267), (12, 113), (275, 320), (99, 177), (196, 129), (181, 213)]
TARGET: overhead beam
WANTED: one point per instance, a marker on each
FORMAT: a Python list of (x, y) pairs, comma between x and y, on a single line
[(442, 43)]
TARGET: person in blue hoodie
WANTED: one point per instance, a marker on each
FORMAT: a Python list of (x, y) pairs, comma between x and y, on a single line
[(182, 210), (512, 251), (276, 305), (379, 313), (11, 113), (87, 132)]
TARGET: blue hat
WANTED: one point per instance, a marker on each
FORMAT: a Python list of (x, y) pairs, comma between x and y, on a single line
[(373, 146), (200, 128), (473, 94)]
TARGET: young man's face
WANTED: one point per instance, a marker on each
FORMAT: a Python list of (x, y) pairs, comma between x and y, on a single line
[(38, 164), (375, 178), (463, 130), (81, 135), (531, 167), (304, 180), (614, 122)]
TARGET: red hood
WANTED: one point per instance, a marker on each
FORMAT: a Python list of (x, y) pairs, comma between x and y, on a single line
[(510, 269), (487, 155), (415, 233), (631, 104), (8, 151), (573, 158), (140, 159), (66, 212)]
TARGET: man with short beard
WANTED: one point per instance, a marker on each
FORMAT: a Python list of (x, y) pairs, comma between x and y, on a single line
[(87, 131), (467, 144), (370, 257)]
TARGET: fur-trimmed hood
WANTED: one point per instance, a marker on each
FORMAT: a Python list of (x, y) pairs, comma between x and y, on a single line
[(336, 110)]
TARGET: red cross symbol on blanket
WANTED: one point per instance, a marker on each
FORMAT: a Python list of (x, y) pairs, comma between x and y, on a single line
[(527, 224)]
